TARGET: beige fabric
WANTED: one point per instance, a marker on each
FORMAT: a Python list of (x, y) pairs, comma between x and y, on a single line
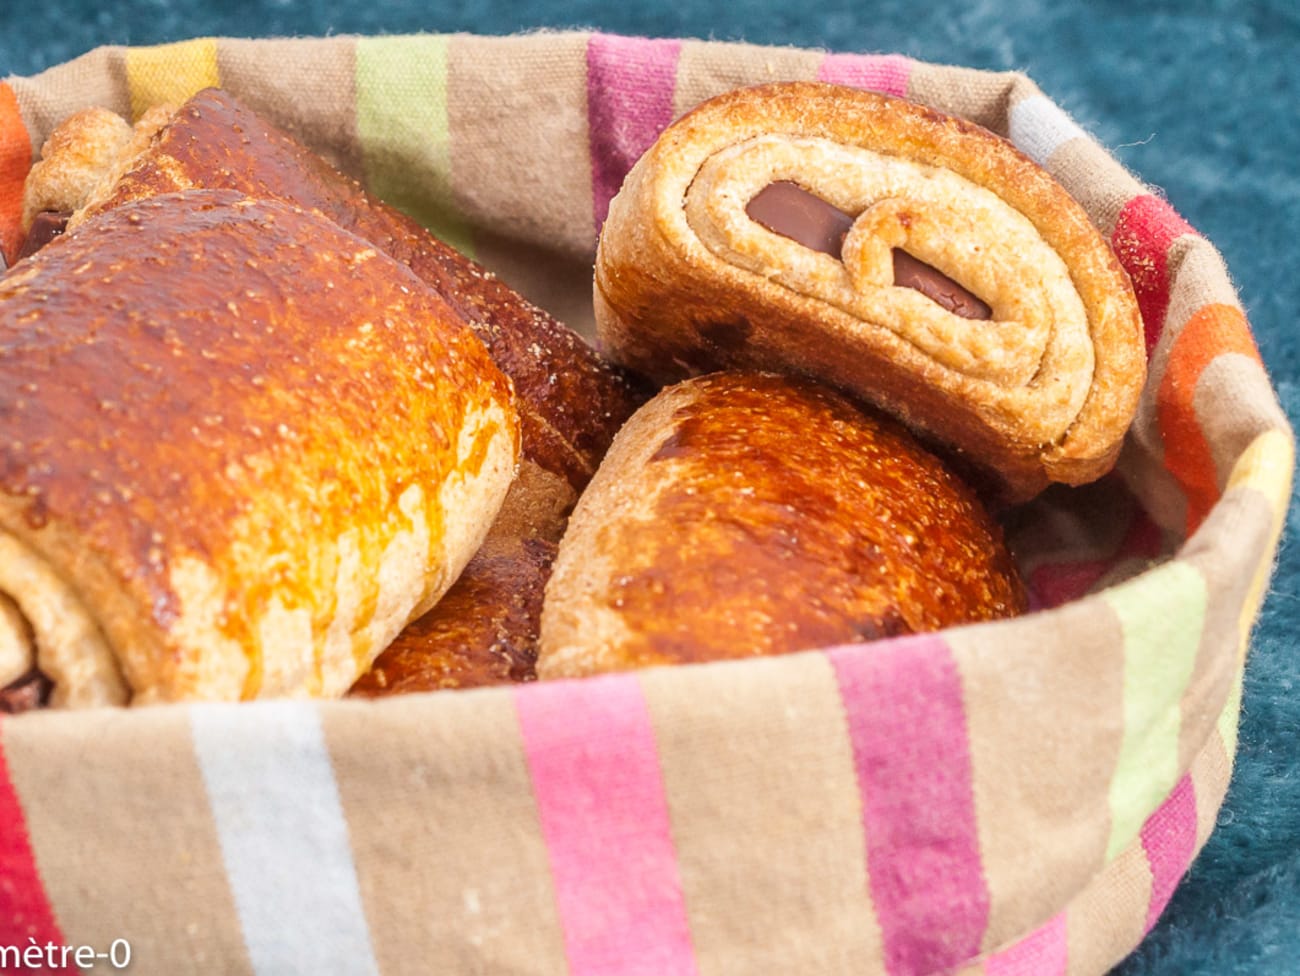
[(811, 829), (471, 904), (119, 859)]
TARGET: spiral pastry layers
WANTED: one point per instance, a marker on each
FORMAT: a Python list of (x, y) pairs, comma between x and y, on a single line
[(909, 257)]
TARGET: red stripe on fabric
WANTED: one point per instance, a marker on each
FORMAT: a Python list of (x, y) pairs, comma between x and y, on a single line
[(907, 724), (630, 85), (1169, 839), (1044, 952), (886, 73), (595, 770), (1146, 227), (1054, 584), (25, 912), (15, 161), (1214, 330)]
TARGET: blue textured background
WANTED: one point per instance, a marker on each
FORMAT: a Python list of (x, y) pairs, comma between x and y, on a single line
[(1198, 97)]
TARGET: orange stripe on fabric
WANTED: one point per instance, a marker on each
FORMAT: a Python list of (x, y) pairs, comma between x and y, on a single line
[(15, 161), (1214, 330)]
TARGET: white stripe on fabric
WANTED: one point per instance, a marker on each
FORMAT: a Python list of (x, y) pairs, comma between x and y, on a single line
[(283, 837), (1038, 128)]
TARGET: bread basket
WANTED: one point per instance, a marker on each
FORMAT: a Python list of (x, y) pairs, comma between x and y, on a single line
[(1017, 797)]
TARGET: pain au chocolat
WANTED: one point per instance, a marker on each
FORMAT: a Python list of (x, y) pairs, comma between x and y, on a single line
[(912, 258), (240, 449), (570, 400), (741, 514)]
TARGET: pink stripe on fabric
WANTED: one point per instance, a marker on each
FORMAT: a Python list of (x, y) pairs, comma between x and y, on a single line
[(25, 912), (907, 724), (1169, 839), (630, 84), (887, 73), (600, 797), (1044, 952), (1146, 228), (1054, 584)]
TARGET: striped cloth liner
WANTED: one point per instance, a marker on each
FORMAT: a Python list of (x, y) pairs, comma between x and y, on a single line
[(1013, 798)]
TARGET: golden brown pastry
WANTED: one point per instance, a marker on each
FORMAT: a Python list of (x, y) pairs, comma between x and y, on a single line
[(240, 448), (483, 632), (909, 257), (741, 514), (571, 402)]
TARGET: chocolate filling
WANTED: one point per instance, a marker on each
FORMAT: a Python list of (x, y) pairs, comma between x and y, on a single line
[(46, 225), (937, 286), (25, 693), (788, 209)]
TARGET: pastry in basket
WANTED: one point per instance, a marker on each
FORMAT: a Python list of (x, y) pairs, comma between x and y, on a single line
[(741, 514), (240, 449), (483, 632), (912, 258), (570, 401)]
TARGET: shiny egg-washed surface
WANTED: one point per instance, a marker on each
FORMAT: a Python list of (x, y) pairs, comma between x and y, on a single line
[(482, 632), (754, 514), (211, 450), (570, 401)]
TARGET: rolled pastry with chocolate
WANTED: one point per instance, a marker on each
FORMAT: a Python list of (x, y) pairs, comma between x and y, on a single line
[(741, 514), (240, 449), (570, 400), (912, 258)]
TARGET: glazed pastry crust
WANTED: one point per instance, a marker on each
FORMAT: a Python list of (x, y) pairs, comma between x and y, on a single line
[(686, 283), (744, 514), (483, 632), (571, 401), (244, 482)]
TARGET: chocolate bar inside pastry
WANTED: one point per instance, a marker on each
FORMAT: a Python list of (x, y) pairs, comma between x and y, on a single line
[(240, 448), (909, 257)]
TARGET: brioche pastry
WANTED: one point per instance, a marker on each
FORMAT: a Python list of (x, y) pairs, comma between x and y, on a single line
[(240, 449), (912, 258), (741, 514)]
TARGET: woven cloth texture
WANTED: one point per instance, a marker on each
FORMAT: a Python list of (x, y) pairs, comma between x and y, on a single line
[(1009, 798)]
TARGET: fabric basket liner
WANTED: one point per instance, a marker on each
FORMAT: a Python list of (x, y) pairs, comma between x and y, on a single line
[(1013, 797)]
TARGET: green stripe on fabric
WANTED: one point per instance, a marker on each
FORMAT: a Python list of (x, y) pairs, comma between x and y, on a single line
[(402, 123), (1161, 615), (1228, 719)]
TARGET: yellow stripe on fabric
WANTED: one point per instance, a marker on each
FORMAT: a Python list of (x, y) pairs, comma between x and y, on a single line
[(170, 73), (1161, 616), (402, 122), (1266, 466)]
